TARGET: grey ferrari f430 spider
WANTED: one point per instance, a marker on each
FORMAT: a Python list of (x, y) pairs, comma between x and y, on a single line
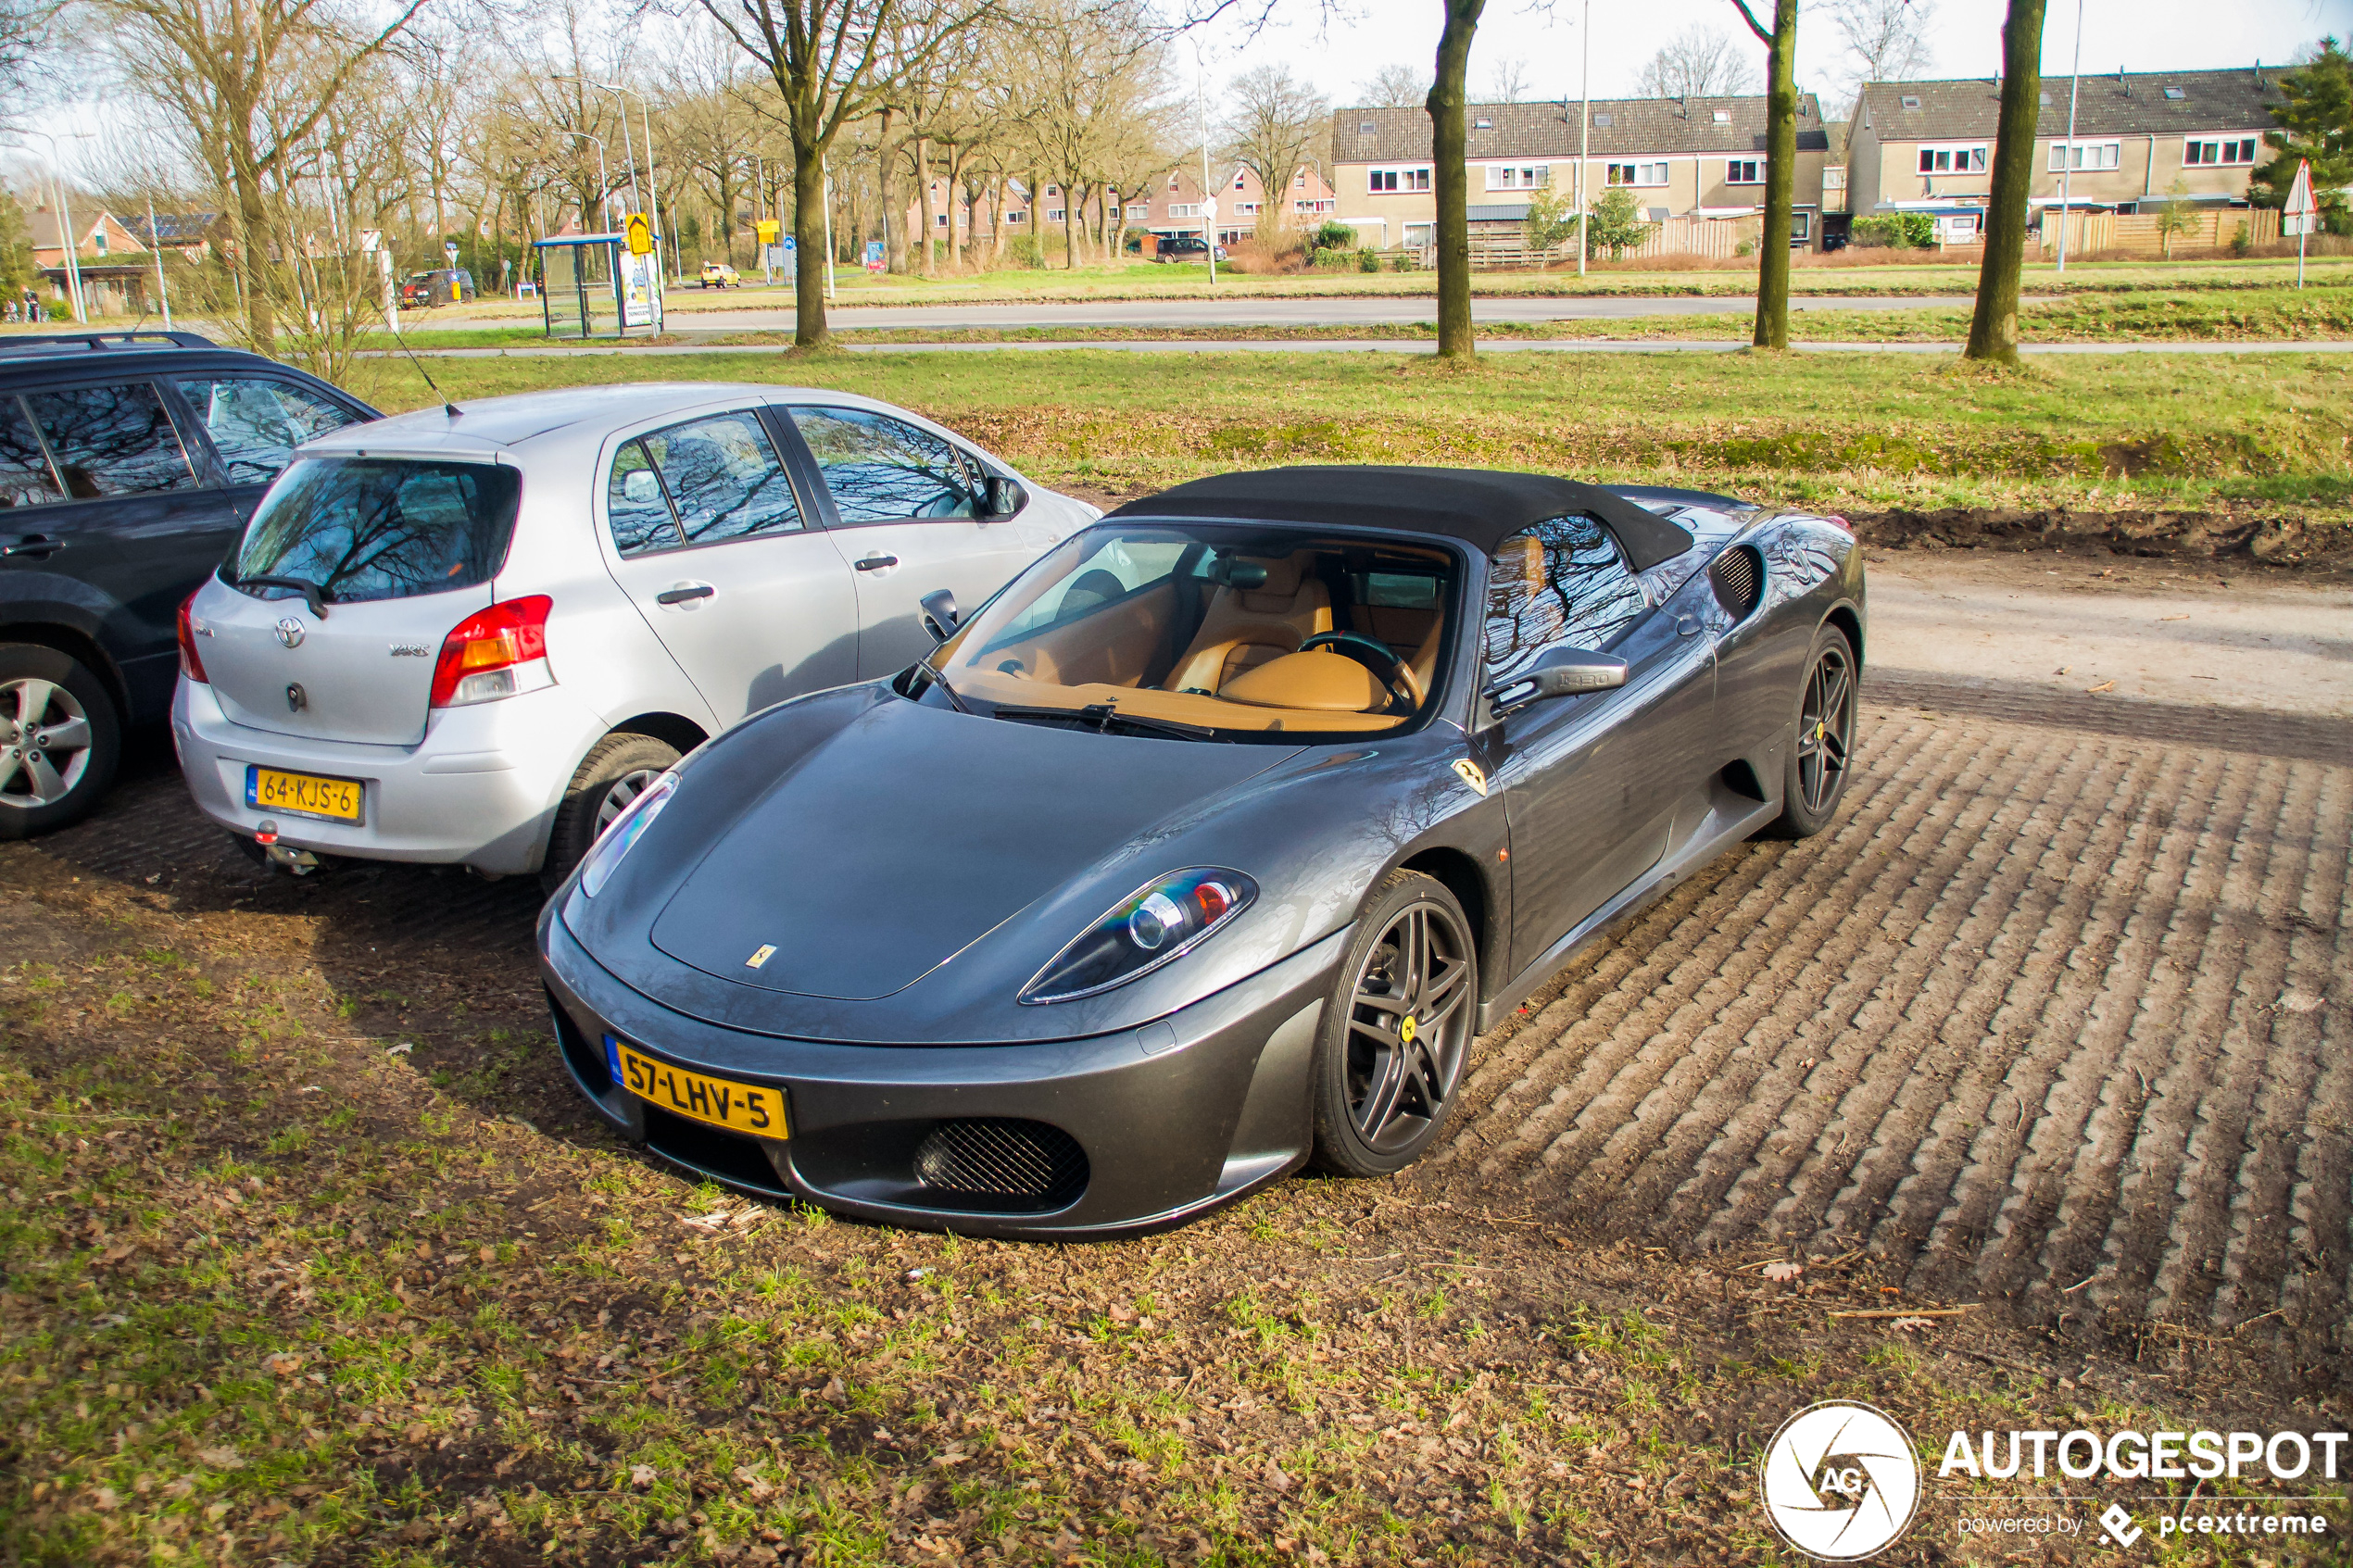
[(1203, 849)]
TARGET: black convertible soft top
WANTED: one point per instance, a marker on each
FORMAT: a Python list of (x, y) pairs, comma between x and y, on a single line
[(1480, 507)]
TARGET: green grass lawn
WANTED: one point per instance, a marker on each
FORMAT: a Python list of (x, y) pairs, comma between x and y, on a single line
[(1856, 430)]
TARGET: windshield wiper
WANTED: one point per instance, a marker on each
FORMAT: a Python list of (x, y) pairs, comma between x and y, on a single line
[(313, 593), (945, 689), (1102, 716)]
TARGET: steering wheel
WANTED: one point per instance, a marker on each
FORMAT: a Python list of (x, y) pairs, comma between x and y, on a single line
[(1389, 670)]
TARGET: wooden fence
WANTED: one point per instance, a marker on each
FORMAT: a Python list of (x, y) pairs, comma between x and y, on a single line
[(2212, 231), (1713, 239)]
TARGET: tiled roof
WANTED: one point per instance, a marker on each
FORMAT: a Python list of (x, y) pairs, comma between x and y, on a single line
[(1637, 127), (2138, 104)]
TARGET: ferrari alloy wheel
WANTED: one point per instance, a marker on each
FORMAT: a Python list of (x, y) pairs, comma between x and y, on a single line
[(59, 739), (1398, 1030), (1822, 742)]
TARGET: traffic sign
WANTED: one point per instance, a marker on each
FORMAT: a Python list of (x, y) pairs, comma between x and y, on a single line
[(1209, 209), (766, 227), (2302, 213), (640, 234)]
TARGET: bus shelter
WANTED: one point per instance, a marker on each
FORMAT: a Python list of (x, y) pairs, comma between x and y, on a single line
[(593, 285)]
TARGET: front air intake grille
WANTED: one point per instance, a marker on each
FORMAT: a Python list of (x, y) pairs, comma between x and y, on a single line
[(1002, 1160), (1738, 576)]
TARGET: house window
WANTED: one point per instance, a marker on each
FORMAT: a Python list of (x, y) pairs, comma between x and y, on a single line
[(2088, 154), (2175, 94), (1966, 159), (2226, 149), (1298, 181), (1910, 102), (1248, 209), (1053, 214), (1015, 218), (99, 239), (1800, 228), (1365, 128), (1602, 122), (1139, 211), (1721, 117), (1172, 181), (1184, 209), (1635, 173), (1482, 125), (1382, 181), (940, 220), (1052, 192), (1518, 176), (1833, 178), (1744, 172), (1237, 182)]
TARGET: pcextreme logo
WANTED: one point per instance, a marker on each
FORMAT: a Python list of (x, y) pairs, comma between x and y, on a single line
[(1839, 1481)]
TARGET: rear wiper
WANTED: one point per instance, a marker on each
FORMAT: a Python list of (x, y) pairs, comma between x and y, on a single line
[(313, 593), (1102, 716)]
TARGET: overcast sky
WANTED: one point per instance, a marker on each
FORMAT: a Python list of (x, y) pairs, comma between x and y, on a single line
[(1965, 34)]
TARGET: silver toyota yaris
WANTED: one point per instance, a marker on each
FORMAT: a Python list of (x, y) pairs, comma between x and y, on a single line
[(473, 634)]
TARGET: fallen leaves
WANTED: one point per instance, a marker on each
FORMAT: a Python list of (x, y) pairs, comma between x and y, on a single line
[(1781, 1273), (642, 1475), (282, 1363)]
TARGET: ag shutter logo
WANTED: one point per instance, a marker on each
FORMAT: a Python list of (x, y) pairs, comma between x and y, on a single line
[(1839, 1481)]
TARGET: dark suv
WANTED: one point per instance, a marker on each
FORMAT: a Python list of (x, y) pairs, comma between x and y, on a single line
[(129, 464)]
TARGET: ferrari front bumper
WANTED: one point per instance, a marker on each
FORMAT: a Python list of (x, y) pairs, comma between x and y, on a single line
[(1078, 1139)]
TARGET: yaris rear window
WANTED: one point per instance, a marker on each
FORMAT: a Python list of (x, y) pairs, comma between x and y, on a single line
[(382, 528)]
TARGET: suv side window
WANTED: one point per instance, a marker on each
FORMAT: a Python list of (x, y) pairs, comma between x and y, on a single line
[(881, 470), (1561, 583), (256, 421), (698, 483), (111, 440), (26, 479)]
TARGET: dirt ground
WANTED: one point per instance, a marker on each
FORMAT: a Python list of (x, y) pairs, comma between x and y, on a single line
[(2039, 1056)]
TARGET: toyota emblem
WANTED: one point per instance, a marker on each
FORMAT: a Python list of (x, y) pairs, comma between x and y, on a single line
[(290, 631)]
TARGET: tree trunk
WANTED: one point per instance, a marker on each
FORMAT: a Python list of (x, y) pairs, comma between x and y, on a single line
[(1993, 330), (253, 259), (809, 246), (923, 185), (894, 210), (1781, 179), (997, 219), (1448, 140)]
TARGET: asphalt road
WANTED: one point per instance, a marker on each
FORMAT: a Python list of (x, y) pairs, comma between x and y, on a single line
[(2057, 1013), (1235, 311)]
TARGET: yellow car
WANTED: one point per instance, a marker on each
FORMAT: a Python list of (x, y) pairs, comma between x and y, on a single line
[(719, 275)]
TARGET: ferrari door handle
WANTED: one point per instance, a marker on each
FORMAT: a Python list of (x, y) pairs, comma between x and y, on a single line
[(875, 563), (34, 544), (684, 592), (1687, 625)]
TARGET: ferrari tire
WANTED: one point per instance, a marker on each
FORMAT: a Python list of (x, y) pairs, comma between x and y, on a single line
[(615, 771), (1822, 749), (60, 738), (1396, 1034)]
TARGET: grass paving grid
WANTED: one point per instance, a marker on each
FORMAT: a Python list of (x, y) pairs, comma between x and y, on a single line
[(451, 1248)]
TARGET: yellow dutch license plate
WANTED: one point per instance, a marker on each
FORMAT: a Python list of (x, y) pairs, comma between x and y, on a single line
[(740, 1108), (305, 795)]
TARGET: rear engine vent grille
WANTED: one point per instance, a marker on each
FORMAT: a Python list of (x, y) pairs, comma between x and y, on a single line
[(998, 1158), (1737, 576)]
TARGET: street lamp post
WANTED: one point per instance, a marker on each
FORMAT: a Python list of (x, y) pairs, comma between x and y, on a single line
[(604, 182), (65, 224), (1584, 131), (2067, 166)]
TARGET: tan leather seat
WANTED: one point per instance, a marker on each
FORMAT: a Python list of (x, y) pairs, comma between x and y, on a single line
[(1318, 681), (1245, 627)]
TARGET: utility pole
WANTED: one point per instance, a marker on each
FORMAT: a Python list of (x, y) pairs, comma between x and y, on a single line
[(1208, 196), (1584, 132), (2067, 166), (824, 167), (155, 240)]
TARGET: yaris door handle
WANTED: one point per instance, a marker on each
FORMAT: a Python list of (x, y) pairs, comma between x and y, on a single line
[(685, 592), (875, 563), (34, 544)]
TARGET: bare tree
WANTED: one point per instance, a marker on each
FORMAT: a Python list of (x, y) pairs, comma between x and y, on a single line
[(1699, 62), (1508, 83), (24, 37), (1993, 332), (1272, 125), (1780, 169), (1885, 40), (833, 66), (246, 83), (1394, 87)]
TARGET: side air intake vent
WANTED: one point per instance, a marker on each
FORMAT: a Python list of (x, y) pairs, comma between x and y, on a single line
[(1737, 577), (999, 1160)]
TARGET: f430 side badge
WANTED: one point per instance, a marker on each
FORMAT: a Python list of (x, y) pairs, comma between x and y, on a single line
[(1472, 773), (765, 951)]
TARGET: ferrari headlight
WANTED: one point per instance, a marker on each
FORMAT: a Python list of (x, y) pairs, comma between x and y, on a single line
[(1145, 930), (624, 830)]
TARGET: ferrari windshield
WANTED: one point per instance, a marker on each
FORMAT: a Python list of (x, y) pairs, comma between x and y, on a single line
[(1211, 631)]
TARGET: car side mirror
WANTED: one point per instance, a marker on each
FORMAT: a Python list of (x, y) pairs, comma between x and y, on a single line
[(1003, 497), (939, 614), (1562, 672)]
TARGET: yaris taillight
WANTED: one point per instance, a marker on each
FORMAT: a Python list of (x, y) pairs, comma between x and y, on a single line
[(191, 661), (498, 653)]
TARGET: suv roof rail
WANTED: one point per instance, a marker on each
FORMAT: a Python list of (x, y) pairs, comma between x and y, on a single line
[(72, 342)]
